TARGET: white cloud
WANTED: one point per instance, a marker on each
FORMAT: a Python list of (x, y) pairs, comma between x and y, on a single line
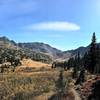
[(54, 26)]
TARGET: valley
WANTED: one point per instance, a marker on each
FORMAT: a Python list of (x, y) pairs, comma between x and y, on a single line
[(37, 71)]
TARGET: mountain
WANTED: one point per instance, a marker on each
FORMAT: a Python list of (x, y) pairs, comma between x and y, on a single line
[(43, 48), (9, 48), (6, 43), (53, 52), (81, 50)]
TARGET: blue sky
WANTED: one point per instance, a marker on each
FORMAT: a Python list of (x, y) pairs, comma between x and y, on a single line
[(64, 24)]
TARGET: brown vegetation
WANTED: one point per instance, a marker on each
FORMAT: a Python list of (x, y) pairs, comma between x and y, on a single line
[(24, 86)]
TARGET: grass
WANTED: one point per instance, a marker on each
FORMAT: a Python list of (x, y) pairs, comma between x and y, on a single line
[(23, 86), (34, 83), (28, 85)]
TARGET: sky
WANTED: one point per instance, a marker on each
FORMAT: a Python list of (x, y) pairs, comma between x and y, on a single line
[(64, 24)]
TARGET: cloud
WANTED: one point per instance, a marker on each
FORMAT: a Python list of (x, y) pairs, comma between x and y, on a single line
[(54, 26)]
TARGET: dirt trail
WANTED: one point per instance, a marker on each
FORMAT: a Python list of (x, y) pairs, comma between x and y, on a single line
[(45, 96), (77, 97)]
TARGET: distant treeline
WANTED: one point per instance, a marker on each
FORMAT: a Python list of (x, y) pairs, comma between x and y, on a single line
[(90, 61), (8, 55), (14, 57)]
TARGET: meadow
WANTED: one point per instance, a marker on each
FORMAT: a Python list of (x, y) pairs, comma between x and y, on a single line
[(29, 85)]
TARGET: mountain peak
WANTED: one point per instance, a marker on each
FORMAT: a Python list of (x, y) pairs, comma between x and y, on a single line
[(6, 43), (4, 38), (40, 47)]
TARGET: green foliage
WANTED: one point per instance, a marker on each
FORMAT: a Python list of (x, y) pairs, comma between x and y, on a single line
[(81, 77), (70, 63), (92, 57), (92, 54), (75, 72), (62, 64), (9, 55), (42, 57), (76, 65), (61, 84), (14, 56), (75, 62)]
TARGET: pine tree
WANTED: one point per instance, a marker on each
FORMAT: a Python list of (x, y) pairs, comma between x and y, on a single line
[(77, 65), (97, 67), (81, 77), (75, 68), (78, 61), (92, 54), (86, 60), (70, 63)]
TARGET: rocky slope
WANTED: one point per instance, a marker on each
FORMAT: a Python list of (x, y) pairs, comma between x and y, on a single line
[(43, 48)]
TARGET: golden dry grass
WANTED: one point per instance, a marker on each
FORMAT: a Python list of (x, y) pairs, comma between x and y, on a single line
[(32, 63), (16, 86), (28, 86), (29, 65), (31, 81)]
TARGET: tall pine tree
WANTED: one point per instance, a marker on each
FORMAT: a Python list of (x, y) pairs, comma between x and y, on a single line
[(92, 54), (76, 66), (97, 67)]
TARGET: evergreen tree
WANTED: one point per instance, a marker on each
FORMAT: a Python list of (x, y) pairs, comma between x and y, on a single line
[(78, 61), (77, 65), (75, 68), (70, 63), (92, 54), (97, 67), (81, 77), (86, 60)]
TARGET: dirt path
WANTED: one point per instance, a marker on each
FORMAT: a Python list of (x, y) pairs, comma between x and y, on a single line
[(77, 97), (44, 96)]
